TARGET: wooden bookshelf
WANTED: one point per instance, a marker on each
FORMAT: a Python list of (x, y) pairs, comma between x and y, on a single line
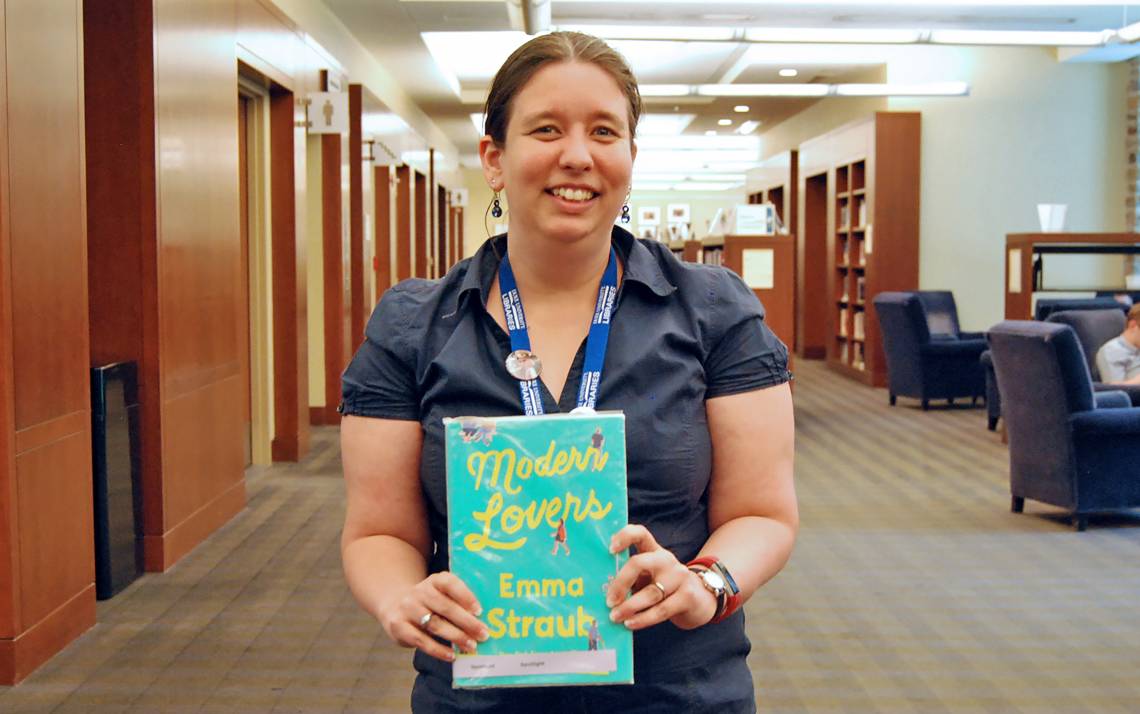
[(776, 291), (776, 180), (1024, 250), (859, 212)]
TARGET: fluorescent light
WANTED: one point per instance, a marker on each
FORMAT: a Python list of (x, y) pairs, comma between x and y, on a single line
[(663, 124), (789, 72), (654, 32), (471, 56), (665, 90), (710, 132), (931, 89), (688, 143), (763, 90), (1129, 33), (740, 108), (724, 122), (829, 35), (1002, 37), (747, 127)]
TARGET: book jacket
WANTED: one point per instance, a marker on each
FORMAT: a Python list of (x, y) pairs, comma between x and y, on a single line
[(532, 503)]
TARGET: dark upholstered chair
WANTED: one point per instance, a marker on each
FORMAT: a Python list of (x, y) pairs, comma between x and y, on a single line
[(928, 359), (1068, 446), (1047, 306), (1093, 329)]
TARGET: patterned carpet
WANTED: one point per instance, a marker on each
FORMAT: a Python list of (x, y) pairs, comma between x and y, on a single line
[(912, 589)]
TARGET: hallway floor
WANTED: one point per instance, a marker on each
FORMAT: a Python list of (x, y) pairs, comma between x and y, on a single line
[(912, 589)]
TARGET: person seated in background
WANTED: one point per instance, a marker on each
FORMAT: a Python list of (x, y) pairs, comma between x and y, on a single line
[(1119, 359)]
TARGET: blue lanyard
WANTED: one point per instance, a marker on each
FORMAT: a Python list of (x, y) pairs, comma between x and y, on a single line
[(595, 343)]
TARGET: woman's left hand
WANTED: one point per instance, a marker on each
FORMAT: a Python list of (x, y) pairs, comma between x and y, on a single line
[(663, 588)]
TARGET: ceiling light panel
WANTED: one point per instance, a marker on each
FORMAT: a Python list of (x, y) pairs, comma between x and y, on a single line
[(999, 37), (932, 89), (664, 90), (830, 35), (763, 90), (674, 62), (382, 124), (655, 32), (472, 56), (663, 124)]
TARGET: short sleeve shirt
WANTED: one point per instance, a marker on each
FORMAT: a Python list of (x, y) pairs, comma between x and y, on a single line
[(681, 333), (1118, 360)]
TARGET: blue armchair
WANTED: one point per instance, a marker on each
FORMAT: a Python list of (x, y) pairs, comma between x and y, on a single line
[(1093, 329), (928, 357), (1068, 446)]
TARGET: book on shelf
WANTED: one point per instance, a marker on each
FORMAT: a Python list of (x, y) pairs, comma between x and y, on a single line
[(858, 362), (532, 502), (857, 327), (844, 298), (862, 207), (860, 288), (844, 217), (862, 253), (842, 323), (843, 352)]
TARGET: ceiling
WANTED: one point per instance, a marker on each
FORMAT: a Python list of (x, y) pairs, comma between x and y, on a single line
[(444, 52)]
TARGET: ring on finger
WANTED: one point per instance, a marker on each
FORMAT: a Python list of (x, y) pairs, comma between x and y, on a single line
[(423, 621), (660, 587)]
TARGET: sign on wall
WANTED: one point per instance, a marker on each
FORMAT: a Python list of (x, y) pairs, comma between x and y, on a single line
[(328, 113)]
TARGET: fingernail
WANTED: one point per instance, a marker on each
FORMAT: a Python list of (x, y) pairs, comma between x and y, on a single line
[(471, 646), (629, 624), (611, 601), (613, 616), (483, 635), (450, 656), (478, 610)]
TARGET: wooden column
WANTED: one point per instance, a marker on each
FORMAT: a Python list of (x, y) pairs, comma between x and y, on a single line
[(404, 219), (335, 357), (382, 195), (420, 225), (357, 313)]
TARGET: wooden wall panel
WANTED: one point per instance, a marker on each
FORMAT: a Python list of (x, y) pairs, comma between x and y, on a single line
[(357, 300), (382, 194), (334, 307), (404, 219), (198, 257), (46, 550)]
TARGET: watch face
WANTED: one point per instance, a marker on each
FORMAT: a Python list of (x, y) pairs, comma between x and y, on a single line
[(713, 580)]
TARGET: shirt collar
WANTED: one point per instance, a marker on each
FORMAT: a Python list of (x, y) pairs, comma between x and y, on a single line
[(641, 266)]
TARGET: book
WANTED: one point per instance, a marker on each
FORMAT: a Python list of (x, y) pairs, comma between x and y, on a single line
[(532, 503)]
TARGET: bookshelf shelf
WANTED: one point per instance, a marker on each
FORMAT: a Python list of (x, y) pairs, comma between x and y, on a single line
[(860, 183)]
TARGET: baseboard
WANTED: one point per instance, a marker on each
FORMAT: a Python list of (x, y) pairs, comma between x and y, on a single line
[(23, 654), (161, 552)]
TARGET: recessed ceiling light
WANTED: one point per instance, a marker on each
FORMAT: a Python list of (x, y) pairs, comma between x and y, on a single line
[(725, 122), (740, 108), (747, 127), (789, 72), (710, 132)]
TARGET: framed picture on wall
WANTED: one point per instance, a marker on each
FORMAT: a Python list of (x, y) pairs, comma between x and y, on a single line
[(649, 216), (678, 212)]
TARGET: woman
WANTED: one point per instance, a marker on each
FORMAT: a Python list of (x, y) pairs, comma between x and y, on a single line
[(689, 360)]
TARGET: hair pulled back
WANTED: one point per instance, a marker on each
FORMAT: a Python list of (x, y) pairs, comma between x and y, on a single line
[(543, 50)]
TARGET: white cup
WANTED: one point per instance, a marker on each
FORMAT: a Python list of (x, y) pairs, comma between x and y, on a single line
[(1051, 216)]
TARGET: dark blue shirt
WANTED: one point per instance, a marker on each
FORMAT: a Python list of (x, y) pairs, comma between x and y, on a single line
[(682, 333)]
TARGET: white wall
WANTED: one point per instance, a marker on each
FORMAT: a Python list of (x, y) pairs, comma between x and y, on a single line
[(1033, 130), (702, 206)]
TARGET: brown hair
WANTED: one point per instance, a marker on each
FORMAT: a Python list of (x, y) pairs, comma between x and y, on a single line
[(1134, 313), (542, 50)]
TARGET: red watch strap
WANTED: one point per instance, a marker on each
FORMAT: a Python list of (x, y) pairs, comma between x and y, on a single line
[(733, 599)]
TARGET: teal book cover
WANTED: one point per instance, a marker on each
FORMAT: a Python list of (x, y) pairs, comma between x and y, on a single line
[(532, 503)]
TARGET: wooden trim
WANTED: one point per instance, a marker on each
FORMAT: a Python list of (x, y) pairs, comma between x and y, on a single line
[(290, 378), (162, 552), (44, 433), (335, 359), (357, 315), (421, 225), (20, 656)]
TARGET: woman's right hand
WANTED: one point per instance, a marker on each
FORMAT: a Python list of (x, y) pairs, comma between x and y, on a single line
[(454, 617)]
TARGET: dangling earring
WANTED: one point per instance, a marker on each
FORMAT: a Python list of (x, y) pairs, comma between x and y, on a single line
[(496, 209), (625, 210)]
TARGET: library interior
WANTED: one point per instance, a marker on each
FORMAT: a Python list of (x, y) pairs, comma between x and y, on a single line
[(937, 204)]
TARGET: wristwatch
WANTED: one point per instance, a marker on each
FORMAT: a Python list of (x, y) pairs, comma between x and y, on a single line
[(731, 600), (715, 584)]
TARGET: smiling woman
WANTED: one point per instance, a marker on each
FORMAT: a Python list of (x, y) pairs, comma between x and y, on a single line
[(688, 359)]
